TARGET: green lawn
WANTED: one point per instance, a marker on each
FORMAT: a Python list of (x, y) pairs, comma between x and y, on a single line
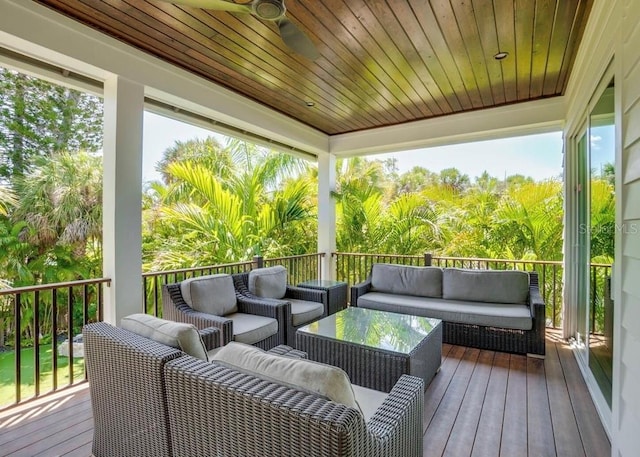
[(7, 377)]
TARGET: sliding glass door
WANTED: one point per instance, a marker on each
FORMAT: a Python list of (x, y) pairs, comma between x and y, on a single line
[(595, 220), (601, 240)]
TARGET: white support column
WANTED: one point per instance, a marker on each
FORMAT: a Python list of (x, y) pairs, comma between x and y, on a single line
[(327, 213), (122, 197)]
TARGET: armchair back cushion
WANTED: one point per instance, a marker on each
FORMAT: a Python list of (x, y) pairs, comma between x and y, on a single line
[(175, 334), (212, 294), (268, 282), (407, 280), (325, 380), (490, 286)]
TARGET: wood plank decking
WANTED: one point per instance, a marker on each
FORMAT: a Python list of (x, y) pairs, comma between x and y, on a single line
[(482, 403)]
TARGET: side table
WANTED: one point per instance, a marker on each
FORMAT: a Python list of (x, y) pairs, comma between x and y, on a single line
[(336, 292)]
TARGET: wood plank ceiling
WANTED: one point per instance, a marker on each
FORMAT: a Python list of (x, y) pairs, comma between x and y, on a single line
[(381, 62)]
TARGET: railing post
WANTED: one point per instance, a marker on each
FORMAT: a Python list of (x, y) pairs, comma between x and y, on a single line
[(427, 259), (258, 261)]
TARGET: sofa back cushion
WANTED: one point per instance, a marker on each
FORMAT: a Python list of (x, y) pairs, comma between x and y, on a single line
[(324, 380), (268, 282), (212, 294), (406, 280), (491, 286), (175, 334)]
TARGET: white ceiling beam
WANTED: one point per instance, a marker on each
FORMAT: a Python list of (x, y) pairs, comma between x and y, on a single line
[(540, 116)]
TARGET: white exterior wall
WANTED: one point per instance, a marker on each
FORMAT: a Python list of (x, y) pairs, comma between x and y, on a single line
[(613, 36), (626, 412)]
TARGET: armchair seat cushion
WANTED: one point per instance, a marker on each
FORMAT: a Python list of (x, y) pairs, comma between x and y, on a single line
[(268, 282), (175, 334), (369, 400), (324, 380), (211, 294), (251, 328), (303, 311)]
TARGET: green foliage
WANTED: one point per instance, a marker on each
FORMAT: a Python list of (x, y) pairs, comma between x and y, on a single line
[(257, 203), (226, 203), (38, 118), (60, 218)]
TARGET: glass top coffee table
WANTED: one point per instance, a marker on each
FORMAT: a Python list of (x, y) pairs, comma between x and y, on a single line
[(375, 347)]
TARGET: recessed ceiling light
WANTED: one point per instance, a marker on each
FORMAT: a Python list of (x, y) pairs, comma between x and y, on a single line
[(311, 104), (501, 55)]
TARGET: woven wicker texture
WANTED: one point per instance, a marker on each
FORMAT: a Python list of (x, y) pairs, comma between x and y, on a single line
[(126, 382), (215, 410), (493, 338), (372, 367), (288, 351), (336, 294), (241, 282)]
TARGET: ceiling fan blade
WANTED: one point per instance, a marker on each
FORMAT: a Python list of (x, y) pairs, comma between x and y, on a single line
[(216, 5), (297, 40)]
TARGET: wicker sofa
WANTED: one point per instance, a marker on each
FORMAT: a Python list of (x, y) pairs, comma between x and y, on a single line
[(490, 309), (150, 399)]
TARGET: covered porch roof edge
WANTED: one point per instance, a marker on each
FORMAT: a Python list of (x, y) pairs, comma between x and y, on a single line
[(538, 116)]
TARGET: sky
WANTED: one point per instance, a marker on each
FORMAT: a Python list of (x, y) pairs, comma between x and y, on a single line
[(538, 156)]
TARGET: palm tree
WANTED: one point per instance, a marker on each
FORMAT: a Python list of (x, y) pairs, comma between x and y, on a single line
[(7, 200), (62, 201), (528, 221), (360, 205), (206, 216), (410, 225)]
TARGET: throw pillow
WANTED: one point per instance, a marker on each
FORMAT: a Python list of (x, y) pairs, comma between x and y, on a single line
[(175, 334), (268, 282), (211, 294)]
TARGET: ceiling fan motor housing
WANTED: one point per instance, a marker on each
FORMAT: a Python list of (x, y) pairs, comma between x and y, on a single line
[(269, 10)]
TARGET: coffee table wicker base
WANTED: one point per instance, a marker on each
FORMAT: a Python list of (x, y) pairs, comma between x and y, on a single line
[(375, 368)]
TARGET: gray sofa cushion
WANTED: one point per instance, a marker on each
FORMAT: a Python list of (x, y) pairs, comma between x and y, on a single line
[(303, 311), (457, 311), (406, 280), (268, 282), (175, 334), (250, 328), (490, 286), (325, 380), (212, 294)]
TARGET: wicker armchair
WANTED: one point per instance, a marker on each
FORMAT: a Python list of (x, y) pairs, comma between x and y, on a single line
[(175, 308), (126, 382), (152, 400), (300, 299)]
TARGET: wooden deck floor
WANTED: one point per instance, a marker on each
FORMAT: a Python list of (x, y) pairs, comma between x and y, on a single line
[(482, 403)]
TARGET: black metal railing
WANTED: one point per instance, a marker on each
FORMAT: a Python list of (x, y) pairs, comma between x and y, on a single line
[(35, 320), (299, 267)]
